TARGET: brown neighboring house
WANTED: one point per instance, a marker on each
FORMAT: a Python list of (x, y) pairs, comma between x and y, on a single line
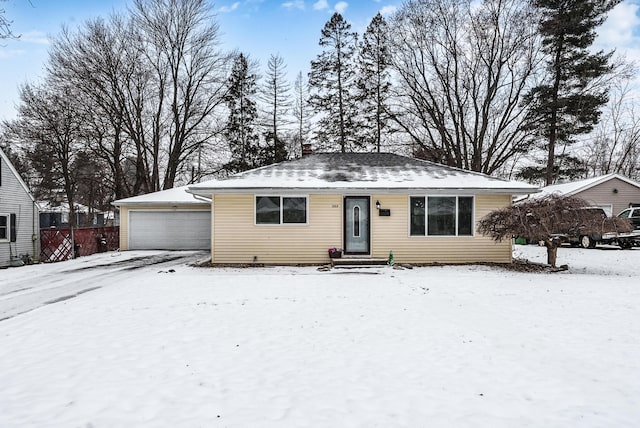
[(612, 192)]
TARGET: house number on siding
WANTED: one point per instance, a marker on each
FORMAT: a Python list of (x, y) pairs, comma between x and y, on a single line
[(334, 206)]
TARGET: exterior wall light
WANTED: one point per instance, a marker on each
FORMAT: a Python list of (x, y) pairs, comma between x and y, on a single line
[(377, 205)]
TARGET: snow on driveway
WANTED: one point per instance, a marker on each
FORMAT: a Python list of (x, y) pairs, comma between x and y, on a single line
[(453, 346), (22, 290)]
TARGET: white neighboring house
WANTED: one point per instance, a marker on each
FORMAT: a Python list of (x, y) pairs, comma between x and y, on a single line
[(612, 192), (166, 220), (19, 228)]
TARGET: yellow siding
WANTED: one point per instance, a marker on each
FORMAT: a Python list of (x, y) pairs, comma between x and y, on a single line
[(236, 239), (124, 217), (392, 233), (124, 228)]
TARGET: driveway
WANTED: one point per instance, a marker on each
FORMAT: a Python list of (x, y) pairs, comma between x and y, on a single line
[(27, 288)]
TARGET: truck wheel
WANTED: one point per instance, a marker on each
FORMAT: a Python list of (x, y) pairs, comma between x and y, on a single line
[(587, 242)]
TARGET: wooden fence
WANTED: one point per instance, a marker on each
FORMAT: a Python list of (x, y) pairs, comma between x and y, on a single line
[(57, 245)]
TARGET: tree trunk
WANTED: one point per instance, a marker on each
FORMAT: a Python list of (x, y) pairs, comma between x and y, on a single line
[(550, 175), (552, 252)]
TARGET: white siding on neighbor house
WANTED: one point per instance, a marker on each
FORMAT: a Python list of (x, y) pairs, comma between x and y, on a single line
[(14, 199), (169, 229)]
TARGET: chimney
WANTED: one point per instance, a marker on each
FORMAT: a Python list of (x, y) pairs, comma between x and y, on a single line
[(306, 149)]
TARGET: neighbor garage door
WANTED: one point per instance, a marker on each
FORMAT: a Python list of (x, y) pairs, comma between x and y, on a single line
[(169, 230)]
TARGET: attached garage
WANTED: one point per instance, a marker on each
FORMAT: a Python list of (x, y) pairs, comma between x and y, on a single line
[(169, 230), (167, 220)]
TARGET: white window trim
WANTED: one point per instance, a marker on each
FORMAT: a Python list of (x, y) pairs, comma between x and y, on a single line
[(8, 216), (426, 217), (281, 196)]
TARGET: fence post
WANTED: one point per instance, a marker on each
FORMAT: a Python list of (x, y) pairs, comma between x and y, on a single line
[(73, 243)]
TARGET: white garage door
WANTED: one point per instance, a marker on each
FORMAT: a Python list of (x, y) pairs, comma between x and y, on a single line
[(169, 230)]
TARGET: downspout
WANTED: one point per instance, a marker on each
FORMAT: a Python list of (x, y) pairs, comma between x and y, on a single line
[(34, 237), (213, 228)]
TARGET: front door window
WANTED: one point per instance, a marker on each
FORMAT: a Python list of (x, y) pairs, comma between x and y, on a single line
[(356, 221)]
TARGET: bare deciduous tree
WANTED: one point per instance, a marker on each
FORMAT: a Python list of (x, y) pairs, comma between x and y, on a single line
[(52, 133), (540, 219), (152, 82), (5, 25), (275, 94), (101, 60), (615, 143), (181, 42), (462, 70), (301, 111)]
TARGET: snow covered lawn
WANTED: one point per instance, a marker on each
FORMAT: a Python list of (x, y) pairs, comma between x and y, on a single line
[(466, 346)]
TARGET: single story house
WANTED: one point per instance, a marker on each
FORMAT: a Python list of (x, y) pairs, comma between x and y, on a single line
[(612, 192), (19, 232), (166, 220), (366, 204)]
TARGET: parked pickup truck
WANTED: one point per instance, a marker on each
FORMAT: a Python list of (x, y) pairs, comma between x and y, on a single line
[(632, 214), (623, 240)]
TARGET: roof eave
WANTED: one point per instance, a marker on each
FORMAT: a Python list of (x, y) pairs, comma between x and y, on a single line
[(160, 203), (207, 191)]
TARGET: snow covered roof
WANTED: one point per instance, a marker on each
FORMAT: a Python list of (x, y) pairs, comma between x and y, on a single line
[(382, 172), (574, 187), (62, 207), (177, 195)]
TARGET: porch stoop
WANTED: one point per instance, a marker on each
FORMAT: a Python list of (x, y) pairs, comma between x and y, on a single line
[(351, 262)]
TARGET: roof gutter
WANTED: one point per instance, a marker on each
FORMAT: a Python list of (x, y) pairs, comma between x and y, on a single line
[(205, 192)]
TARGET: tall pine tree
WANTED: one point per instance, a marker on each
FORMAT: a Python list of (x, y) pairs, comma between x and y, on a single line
[(301, 112), (568, 103), (240, 132), (332, 82), (276, 96), (374, 81)]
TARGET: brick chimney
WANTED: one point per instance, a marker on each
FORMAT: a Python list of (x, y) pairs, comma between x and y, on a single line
[(306, 150)]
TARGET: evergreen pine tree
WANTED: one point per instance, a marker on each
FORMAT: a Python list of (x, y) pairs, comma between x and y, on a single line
[(332, 83), (240, 131), (568, 103), (373, 81)]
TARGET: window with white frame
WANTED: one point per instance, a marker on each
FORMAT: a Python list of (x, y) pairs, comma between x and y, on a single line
[(281, 209), (441, 216), (5, 225)]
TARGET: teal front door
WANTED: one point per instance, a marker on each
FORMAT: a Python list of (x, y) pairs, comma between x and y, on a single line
[(357, 225)]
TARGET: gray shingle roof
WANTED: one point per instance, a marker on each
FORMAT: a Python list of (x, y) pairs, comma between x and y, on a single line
[(360, 171)]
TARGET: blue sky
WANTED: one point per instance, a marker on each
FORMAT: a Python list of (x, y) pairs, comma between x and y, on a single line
[(257, 27)]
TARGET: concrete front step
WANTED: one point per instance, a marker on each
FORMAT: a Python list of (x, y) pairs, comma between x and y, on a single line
[(347, 262)]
